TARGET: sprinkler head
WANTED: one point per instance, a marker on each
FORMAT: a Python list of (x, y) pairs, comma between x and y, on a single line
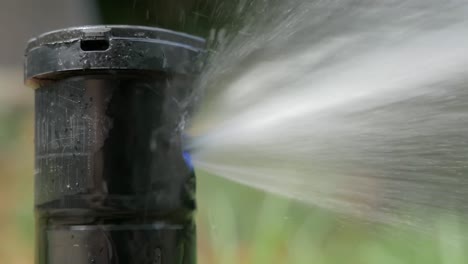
[(113, 182)]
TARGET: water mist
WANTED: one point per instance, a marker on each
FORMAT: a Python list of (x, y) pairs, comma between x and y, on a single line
[(359, 107)]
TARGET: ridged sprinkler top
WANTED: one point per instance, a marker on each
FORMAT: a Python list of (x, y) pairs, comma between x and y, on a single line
[(103, 48)]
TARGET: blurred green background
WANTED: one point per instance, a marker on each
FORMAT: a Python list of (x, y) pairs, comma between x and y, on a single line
[(236, 224)]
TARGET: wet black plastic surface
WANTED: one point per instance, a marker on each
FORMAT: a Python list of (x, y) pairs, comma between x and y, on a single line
[(151, 244), (113, 184), (112, 48), (111, 180)]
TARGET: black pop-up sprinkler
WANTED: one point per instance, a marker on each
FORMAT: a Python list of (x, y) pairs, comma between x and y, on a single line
[(112, 182)]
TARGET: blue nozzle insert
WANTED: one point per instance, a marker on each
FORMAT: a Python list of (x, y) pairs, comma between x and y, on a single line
[(188, 159)]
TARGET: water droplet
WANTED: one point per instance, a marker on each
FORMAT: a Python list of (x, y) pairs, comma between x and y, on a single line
[(157, 256), (153, 145), (68, 186), (77, 184)]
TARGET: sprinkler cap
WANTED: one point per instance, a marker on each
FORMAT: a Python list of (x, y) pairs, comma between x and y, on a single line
[(92, 49)]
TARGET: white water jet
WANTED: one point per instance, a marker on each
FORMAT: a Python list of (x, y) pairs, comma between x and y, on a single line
[(354, 106)]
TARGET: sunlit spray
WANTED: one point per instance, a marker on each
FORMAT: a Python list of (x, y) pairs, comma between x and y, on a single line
[(359, 107)]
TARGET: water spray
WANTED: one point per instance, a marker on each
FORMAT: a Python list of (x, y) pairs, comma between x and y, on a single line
[(112, 181), (385, 137)]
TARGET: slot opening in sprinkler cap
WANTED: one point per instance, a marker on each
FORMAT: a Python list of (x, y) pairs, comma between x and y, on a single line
[(94, 44)]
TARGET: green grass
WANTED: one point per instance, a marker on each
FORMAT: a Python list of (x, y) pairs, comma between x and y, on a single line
[(242, 225)]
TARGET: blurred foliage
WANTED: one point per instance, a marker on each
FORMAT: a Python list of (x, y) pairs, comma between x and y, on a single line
[(16, 185), (241, 225), (11, 122)]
